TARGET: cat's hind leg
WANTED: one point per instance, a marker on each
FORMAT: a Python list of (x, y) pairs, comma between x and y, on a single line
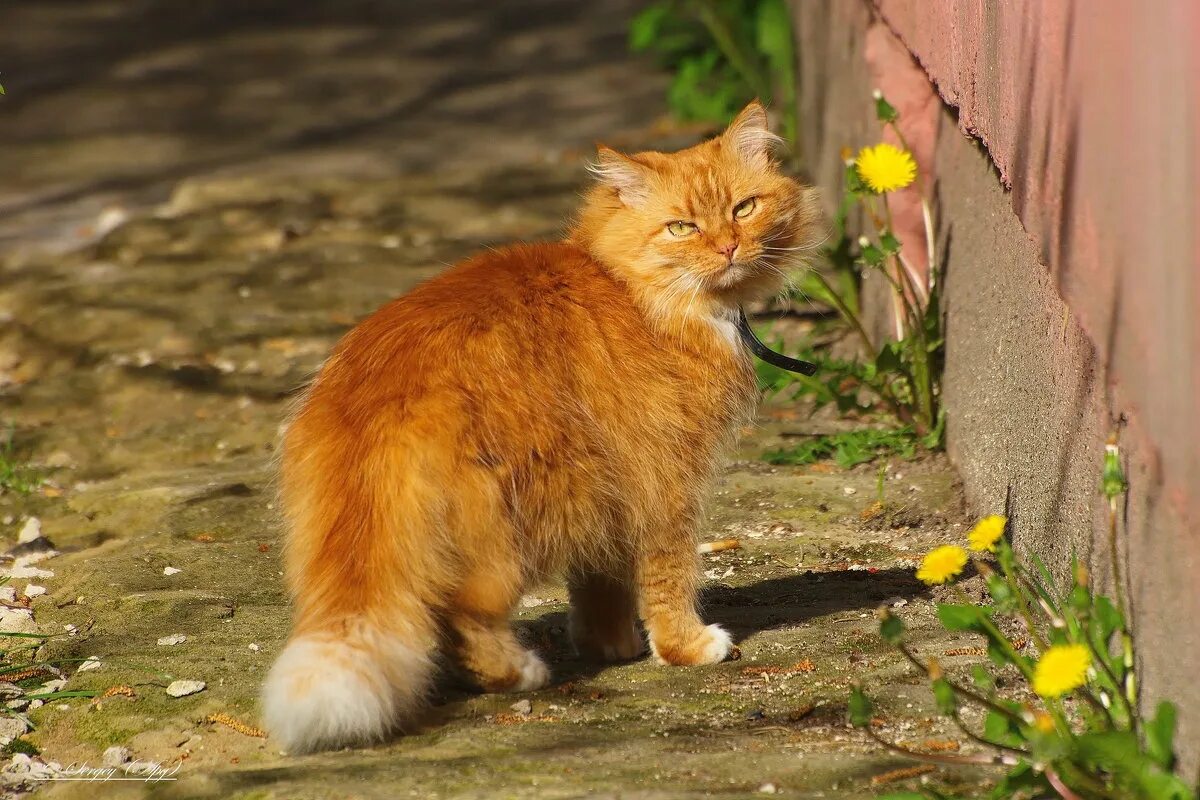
[(482, 638), (604, 618), (477, 619)]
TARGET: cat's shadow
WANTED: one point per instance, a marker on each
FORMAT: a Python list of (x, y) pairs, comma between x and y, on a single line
[(769, 604)]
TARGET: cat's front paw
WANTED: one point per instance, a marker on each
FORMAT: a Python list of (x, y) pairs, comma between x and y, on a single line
[(712, 646), (534, 674)]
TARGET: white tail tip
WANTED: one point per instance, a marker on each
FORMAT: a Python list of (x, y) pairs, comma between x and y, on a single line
[(324, 693)]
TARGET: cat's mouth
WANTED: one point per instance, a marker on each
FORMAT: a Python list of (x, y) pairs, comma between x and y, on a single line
[(738, 273)]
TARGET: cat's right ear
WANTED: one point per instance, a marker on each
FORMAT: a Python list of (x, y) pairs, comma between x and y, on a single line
[(629, 177)]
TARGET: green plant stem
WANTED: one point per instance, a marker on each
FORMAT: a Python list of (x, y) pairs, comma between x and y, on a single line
[(847, 315), (1099, 658), (1010, 650), (942, 758), (970, 734), (917, 375), (962, 691), (1010, 578), (1130, 687), (852, 319), (1063, 790), (1082, 778), (718, 27)]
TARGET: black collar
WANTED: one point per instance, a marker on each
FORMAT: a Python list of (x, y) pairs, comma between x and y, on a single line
[(767, 354)]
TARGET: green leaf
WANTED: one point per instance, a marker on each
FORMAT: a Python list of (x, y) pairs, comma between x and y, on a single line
[(1080, 599), (1160, 735), (854, 181), (1108, 619), (961, 617), (646, 27), (1113, 480), (943, 693), (983, 679), (861, 708), (888, 358), (933, 439), (1001, 592), (999, 728), (889, 243), (1023, 781), (774, 34), (1118, 753), (892, 629), (884, 111), (872, 255)]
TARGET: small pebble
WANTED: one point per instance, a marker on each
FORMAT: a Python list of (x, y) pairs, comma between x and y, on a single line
[(850, 490), (768, 788), (92, 662), (33, 590), (522, 707), (174, 638), (171, 571), (184, 688), (30, 531), (11, 728), (254, 647), (17, 620), (115, 756)]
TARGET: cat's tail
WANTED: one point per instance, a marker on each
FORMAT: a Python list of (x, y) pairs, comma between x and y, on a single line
[(337, 688), (359, 664)]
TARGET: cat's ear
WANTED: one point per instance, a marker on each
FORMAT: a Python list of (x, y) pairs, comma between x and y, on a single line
[(629, 177), (750, 137)]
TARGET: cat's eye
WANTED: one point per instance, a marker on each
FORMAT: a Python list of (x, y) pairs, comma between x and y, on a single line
[(679, 228), (745, 208)]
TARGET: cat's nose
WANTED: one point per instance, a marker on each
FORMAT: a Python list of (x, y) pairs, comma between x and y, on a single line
[(728, 249)]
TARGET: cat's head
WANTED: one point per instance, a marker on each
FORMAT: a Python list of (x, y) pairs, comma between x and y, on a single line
[(718, 221)]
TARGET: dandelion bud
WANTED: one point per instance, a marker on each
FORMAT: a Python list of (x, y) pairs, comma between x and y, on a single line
[(1043, 722)]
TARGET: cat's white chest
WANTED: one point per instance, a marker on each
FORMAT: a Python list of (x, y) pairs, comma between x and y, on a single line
[(725, 325)]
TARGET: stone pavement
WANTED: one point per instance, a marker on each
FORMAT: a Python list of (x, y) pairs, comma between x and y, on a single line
[(196, 200)]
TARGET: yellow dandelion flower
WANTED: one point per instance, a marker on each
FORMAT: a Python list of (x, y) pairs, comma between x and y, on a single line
[(1061, 669), (987, 533), (886, 168), (942, 564)]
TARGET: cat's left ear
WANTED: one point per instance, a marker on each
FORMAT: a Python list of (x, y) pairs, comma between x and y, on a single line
[(750, 137)]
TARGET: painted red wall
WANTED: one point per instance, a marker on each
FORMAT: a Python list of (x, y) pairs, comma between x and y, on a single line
[(1089, 110), (1063, 139)]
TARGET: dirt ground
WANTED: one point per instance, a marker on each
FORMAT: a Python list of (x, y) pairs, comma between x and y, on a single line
[(196, 203)]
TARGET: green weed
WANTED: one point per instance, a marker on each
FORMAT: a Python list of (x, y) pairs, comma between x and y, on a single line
[(15, 474), (849, 448), (724, 53)]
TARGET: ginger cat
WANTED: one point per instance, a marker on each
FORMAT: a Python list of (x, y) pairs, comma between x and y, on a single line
[(543, 409)]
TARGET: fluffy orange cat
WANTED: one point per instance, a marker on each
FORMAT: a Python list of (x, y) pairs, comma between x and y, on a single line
[(538, 410)]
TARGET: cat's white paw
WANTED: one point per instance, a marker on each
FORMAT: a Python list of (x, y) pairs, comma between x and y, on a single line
[(712, 646), (534, 674), (717, 648)]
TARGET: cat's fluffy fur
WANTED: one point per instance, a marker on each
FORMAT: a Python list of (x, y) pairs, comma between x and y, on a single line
[(541, 409)]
